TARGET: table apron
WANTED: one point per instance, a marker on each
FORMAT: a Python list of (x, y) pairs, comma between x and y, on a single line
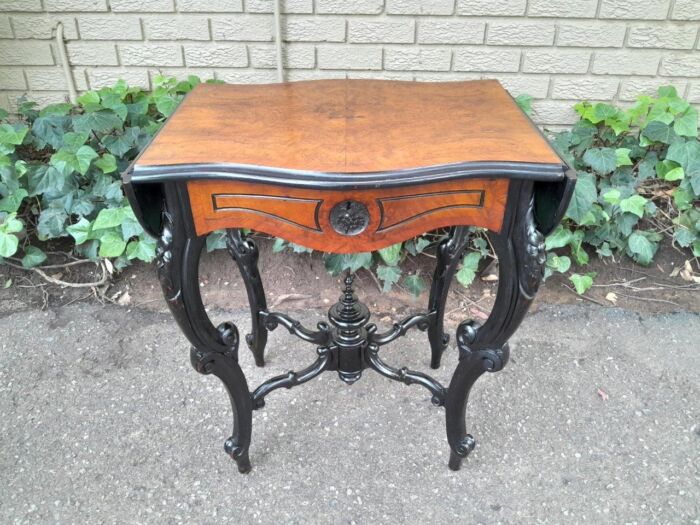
[(347, 221)]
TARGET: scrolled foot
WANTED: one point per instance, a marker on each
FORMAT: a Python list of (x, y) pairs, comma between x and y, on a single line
[(238, 454), (463, 449)]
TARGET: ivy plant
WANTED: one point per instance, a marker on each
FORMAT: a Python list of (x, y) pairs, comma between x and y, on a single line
[(638, 179), (60, 171), (638, 175)]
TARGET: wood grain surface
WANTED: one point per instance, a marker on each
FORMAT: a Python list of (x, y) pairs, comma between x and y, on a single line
[(348, 126), (302, 215)]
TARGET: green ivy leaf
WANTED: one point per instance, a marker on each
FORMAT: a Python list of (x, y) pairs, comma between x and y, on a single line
[(667, 92), (111, 244), (113, 101), (525, 103), (683, 198), (13, 201), (67, 160), (277, 246), (391, 254), (686, 124), (142, 249), (559, 238), (638, 112), (647, 166), (51, 130), (298, 248), (56, 110), (576, 244), (602, 111), (558, 263), (623, 157), (166, 104), (45, 179), (216, 240), (121, 143), (8, 244), (72, 141), (11, 224), (14, 135), (674, 174), (85, 156), (634, 204), (52, 223), (642, 249), (677, 105), (604, 250), (88, 98), (601, 160), (414, 284), (80, 231), (131, 227), (612, 196), (102, 121), (417, 245), (466, 274), (336, 263), (110, 217), (585, 194), (687, 154), (33, 256), (582, 283), (659, 132), (107, 163), (389, 275), (684, 237), (619, 125)]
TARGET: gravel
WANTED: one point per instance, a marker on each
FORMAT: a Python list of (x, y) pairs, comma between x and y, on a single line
[(594, 420)]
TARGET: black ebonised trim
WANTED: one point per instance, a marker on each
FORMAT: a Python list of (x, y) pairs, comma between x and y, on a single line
[(346, 181), (412, 218), (273, 216)]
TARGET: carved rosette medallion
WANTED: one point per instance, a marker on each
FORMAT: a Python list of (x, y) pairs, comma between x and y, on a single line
[(349, 217)]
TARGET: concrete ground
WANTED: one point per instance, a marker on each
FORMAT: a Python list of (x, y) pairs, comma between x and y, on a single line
[(594, 420)]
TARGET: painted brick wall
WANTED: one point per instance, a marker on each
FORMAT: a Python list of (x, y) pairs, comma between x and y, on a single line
[(558, 51)]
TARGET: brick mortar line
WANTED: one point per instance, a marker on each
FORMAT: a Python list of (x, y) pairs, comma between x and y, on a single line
[(502, 18), (562, 101), (146, 39), (508, 74)]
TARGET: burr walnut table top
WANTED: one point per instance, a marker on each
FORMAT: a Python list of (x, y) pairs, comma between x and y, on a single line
[(348, 127)]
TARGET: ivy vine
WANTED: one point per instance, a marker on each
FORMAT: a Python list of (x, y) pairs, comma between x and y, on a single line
[(638, 180)]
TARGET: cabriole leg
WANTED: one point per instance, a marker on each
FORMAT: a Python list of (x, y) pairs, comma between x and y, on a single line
[(521, 258), (214, 350), (448, 256), (227, 370)]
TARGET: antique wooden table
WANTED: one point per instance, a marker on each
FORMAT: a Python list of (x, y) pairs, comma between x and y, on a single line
[(348, 166)]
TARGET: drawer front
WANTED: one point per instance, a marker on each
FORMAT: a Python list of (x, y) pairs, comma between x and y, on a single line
[(347, 221)]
